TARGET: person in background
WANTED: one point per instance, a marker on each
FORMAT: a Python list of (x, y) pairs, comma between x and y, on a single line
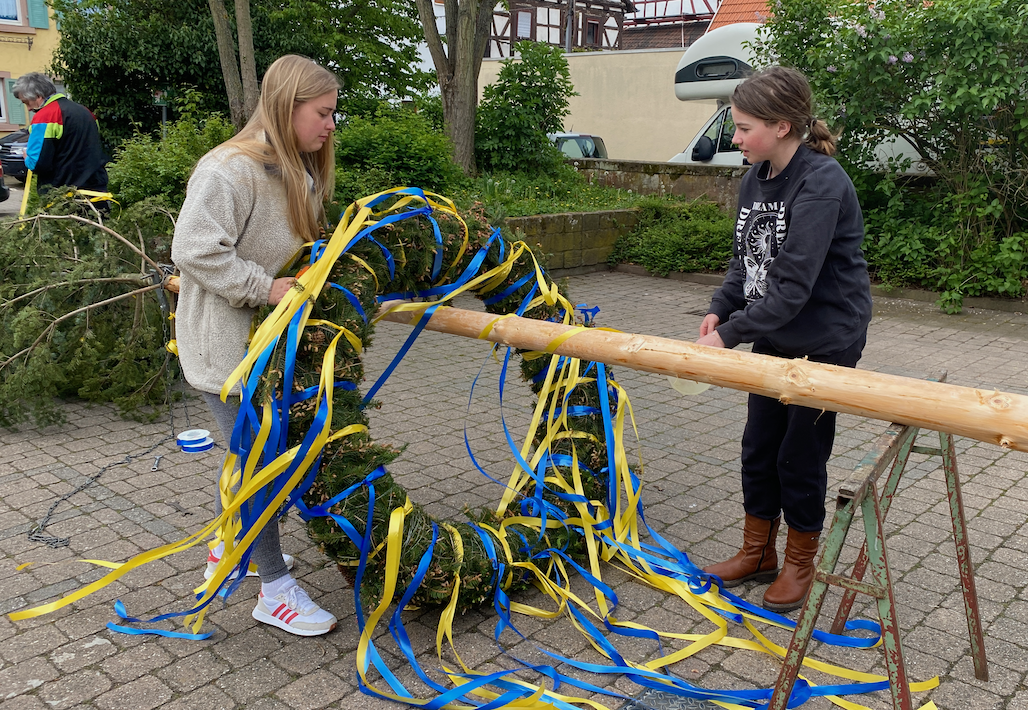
[(797, 287), (250, 205), (64, 141)]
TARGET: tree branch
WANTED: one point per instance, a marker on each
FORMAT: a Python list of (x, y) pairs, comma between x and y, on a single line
[(435, 43), (47, 331), (91, 223), (43, 289)]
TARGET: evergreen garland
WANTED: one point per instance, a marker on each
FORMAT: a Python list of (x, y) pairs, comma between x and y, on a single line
[(348, 461)]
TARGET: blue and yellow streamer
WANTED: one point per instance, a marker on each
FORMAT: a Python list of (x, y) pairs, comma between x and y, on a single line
[(262, 478)]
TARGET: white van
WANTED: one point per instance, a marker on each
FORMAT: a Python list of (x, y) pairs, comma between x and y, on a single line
[(711, 68)]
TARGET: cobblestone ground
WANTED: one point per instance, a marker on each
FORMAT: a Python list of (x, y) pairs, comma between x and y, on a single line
[(690, 449)]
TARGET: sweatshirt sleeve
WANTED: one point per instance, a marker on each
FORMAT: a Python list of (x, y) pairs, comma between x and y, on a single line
[(791, 277), (214, 215)]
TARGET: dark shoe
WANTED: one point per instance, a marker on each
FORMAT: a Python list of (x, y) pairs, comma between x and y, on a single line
[(790, 589), (756, 560)]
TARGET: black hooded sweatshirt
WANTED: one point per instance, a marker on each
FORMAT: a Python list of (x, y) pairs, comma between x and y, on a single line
[(798, 276)]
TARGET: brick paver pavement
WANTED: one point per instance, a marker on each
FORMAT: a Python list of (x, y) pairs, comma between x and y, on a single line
[(690, 449)]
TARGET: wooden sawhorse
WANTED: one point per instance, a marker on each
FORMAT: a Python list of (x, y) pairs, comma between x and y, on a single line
[(893, 449)]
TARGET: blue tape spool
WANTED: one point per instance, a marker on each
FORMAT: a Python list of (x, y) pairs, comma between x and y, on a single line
[(193, 437), (197, 447)]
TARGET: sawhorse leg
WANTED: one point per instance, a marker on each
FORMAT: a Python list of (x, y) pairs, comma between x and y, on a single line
[(882, 589), (894, 448), (964, 562)]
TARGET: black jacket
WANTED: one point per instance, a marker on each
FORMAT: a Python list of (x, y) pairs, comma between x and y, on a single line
[(64, 146), (798, 276)]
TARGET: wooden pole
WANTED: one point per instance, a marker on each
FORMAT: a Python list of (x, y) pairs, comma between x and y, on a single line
[(991, 416)]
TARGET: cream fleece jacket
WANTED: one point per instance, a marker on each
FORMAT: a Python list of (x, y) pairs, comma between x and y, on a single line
[(231, 239)]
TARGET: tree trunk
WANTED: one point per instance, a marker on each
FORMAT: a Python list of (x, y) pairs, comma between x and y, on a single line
[(229, 67), (457, 64), (983, 414), (247, 63)]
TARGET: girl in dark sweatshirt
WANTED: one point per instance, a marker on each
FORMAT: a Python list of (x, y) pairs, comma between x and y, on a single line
[(797, 286)]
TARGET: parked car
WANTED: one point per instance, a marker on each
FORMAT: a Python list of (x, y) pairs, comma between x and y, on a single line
[(12, 154), (5, 192), (579, 145)]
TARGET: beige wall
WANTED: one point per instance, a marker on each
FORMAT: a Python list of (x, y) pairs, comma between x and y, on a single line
[(628, 99)]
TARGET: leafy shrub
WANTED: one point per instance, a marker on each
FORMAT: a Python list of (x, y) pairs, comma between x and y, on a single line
[(675, 236), (146, 166), (431, 107), (522, 194), (528, 100), (948, 77), (398, 143), (353, 184)]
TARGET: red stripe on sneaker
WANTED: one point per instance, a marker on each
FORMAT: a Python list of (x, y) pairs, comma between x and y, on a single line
[(280, 611), (291, 617), (212, 558)]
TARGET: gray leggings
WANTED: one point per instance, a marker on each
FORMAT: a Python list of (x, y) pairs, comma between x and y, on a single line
[(267, 552)]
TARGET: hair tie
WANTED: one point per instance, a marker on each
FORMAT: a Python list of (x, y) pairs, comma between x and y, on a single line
[(812, 122)]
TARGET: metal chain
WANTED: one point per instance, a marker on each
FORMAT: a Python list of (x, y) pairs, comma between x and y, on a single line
[(38, 532)]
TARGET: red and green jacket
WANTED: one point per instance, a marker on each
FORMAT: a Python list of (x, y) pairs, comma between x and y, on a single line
[(64, 146)]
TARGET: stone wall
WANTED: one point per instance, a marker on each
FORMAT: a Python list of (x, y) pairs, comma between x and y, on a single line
[(574, 242), (717, 184)]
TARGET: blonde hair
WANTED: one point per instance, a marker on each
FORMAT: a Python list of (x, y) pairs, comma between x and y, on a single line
[(270, 138), (783, 94)]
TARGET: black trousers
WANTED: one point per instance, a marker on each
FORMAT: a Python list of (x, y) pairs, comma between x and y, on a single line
[(785, 450)]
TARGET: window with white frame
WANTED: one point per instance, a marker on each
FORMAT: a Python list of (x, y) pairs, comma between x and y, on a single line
[(10, 12), (524, 30)]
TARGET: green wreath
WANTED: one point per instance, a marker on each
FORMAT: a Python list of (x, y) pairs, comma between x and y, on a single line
[(401, 257)]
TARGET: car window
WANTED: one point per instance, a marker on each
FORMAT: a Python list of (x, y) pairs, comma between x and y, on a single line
[(725, 145), (570, 148)]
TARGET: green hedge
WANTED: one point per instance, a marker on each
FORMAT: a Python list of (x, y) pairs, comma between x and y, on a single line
[(677, 236)]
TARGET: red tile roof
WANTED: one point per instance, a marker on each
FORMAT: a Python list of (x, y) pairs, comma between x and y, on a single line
[(732, 11)]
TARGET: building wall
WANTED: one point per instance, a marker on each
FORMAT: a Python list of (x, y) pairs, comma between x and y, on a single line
[(17, 57), (628, 99)]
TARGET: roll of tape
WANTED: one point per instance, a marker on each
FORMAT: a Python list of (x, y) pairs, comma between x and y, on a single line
[(192, 437), (197, 447)]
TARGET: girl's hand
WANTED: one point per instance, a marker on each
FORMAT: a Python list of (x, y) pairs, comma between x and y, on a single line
[(710, 321), (279, 289), (713, 339)]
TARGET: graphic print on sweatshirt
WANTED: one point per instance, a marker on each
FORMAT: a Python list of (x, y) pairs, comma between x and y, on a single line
[(759, 233)]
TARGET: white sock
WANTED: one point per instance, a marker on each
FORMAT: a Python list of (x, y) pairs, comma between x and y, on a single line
[(277, 586), (219, 550)]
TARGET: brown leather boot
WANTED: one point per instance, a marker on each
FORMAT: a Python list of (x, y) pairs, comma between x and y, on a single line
[(756, 560), (790, 589)]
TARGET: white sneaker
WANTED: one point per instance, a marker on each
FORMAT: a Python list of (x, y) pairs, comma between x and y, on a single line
[(293, 611), (212, 563)]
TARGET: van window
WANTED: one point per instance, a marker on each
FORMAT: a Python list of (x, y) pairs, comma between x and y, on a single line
[(724, 144), (713, 131)]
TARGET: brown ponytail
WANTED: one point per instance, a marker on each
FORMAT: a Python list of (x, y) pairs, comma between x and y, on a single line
[(781, 94)]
